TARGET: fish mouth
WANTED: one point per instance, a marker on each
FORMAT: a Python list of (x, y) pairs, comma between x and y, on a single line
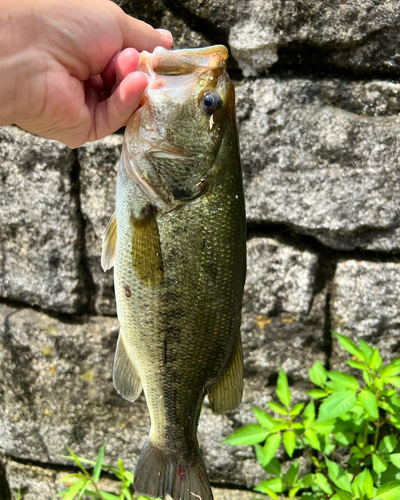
[(176, 72)]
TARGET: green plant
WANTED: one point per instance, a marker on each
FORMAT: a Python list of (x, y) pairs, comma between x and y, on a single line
[(84, 485), (350, 436)]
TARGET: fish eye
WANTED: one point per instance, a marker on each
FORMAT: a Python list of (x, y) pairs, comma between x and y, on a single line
[(210, 101)]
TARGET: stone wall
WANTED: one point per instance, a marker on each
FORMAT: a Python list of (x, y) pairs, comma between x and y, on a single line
[(318, 104)]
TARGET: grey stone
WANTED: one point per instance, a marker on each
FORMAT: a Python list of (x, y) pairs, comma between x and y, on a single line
[(98, 174), (321, 156), (356, 36), (366, 304), (283, 318), (34, 483), (40, 233)]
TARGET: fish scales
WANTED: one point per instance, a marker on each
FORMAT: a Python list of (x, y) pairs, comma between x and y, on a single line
[(180, 252)]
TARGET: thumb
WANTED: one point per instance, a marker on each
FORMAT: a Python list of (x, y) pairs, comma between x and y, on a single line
[(114, 112)]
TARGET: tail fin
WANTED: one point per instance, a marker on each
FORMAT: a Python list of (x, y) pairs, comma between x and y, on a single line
[(160, 472)]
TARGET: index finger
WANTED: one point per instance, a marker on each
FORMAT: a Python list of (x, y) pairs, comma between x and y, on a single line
[(141, 35)]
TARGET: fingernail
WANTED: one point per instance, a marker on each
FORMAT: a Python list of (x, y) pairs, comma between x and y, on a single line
[(166, 34)]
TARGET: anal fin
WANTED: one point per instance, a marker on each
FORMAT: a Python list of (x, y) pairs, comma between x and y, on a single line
[(125, 376), (227, 393), (109, 244)]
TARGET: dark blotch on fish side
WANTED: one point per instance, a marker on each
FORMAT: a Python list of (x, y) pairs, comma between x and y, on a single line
[(181, 194), (127, 291)]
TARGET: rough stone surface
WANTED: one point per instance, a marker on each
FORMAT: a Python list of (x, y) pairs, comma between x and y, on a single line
[(283, 321), (357, 36), (39, 234), (322, 156), (98, 174), (366, 304)]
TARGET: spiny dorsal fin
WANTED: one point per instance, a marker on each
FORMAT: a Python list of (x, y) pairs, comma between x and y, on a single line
[(146, 248), (227, 394), (109, 244), (125, 376)]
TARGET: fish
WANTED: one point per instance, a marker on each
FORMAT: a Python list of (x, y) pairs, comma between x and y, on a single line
[(177, 242)]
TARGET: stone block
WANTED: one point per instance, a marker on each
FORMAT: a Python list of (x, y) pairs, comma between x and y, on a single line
[(366, 304), (98, 175), (40, 236), (322, 157)]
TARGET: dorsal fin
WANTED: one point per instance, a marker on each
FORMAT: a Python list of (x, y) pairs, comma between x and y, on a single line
[(109, 244)]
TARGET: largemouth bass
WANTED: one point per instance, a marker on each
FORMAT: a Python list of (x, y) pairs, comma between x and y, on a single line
[(177, 244)]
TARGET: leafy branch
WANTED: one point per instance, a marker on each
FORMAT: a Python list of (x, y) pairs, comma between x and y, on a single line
[(358, 417)]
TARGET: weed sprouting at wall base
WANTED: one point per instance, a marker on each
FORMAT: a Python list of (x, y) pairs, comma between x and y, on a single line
[(355, 418)]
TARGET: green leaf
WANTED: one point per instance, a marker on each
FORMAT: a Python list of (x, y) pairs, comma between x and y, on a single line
[(388, 444), (282, 388), (343, 495), (312, 438), (78, 462), (264, 489), (293, 491), (309, 414), (99, 463), (368, 484), (395, 459), (306, 481), (289, 442), (297, 409), (375, 360), (249, 434), (271, 445), (344, 438), (108, 496), (317, 393), (366, 349), (263, 418), (393, 381), (323, 483), (275, 484), (338, 475), (391, 369), (273, 467), (292, 474), (277, 408), (357, 485), (324, 427), (317, 374), (73, 490), (389, 491), (344, 380), (349, 345), (336, 404), (369, 402), (379, 464), (356, 364), (367, 378)]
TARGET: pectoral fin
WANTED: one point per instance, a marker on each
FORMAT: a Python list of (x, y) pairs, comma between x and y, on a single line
[(109, 244), (125, 376), (146, 248), (227, 394)]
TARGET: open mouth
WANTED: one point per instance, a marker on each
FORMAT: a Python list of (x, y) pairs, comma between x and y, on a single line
[(176, 72)]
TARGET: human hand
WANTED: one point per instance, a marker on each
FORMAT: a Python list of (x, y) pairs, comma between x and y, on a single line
[(67, 69)]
